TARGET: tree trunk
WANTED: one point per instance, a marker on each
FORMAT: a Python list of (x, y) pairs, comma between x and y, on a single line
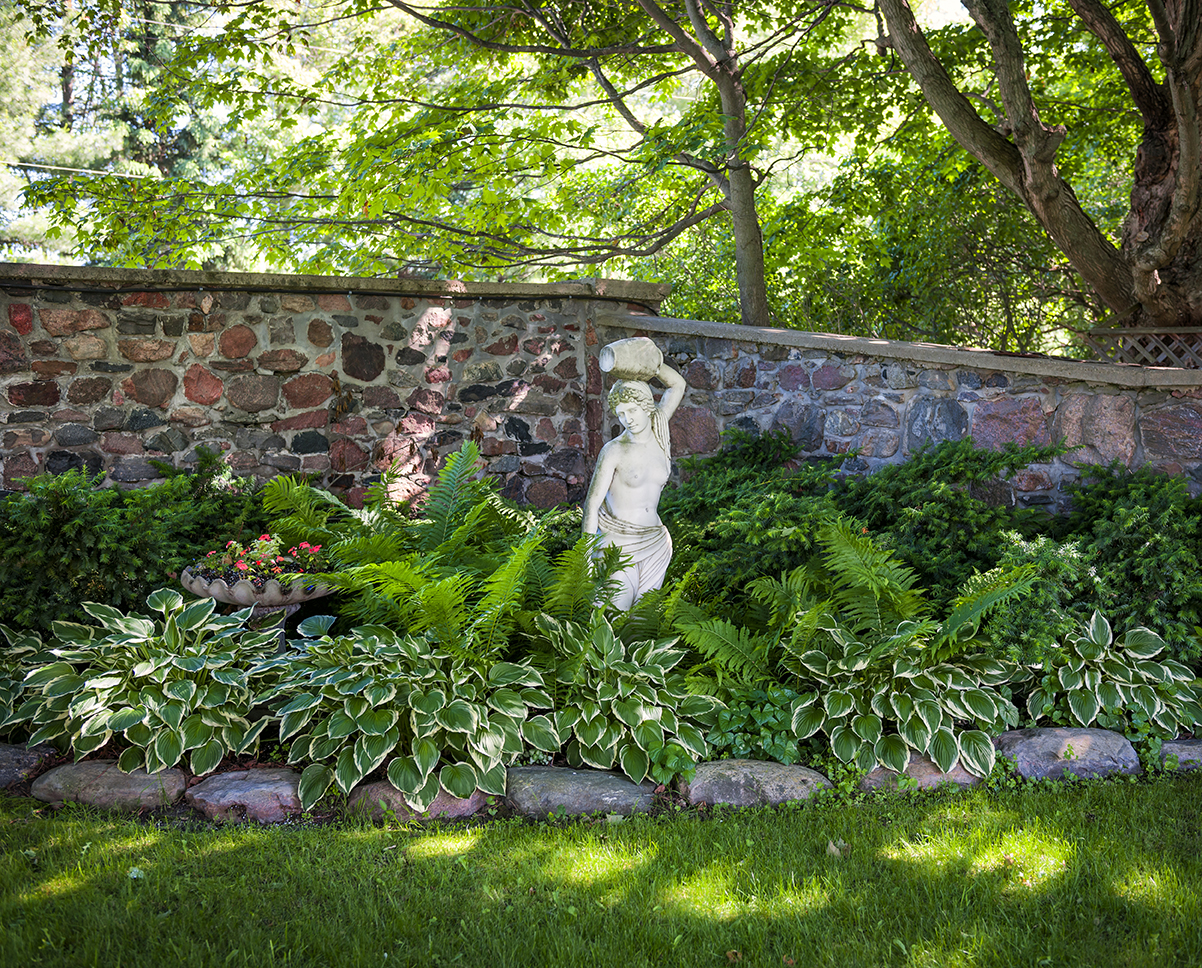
[(740, 195)]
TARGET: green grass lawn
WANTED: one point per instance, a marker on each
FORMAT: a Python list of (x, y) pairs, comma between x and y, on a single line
[(1102, 874)]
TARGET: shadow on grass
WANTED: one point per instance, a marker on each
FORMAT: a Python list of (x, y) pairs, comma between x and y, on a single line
[(1102, 874)]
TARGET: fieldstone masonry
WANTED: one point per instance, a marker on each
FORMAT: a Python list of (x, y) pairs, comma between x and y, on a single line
[(105, 370)]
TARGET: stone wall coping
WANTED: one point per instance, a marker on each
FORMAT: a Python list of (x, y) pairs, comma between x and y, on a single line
[(618, 290), (1077, 371)]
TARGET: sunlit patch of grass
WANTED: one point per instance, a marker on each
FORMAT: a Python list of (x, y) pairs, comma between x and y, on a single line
[(1027, 857), (1114, 871), (445, 844)]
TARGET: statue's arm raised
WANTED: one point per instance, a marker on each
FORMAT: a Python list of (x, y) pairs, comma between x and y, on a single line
[(603, 476), (674, 393)]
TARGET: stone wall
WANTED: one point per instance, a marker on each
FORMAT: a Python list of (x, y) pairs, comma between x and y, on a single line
[(105, 370), (886, 399)]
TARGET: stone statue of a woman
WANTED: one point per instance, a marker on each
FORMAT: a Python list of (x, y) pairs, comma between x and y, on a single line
[(632, 469)]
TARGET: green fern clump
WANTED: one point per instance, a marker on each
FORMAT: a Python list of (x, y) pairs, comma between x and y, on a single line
[(876, 673), (467, 569)]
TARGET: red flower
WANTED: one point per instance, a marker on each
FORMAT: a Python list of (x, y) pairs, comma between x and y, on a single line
[(264, 537), (240, 565)]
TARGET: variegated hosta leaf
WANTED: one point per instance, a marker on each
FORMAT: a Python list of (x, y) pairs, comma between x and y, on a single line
[(866, 757), (1141, 643), (845, 744), (426, 754), (943, 749), (421, 799), (404, 774), (206, 758), (692, 740), (492, 781), (916, 733), (838, 704), (807, 720), (867, 727), (346, 770), (1098, 630), (977, 752), (648, 735), (458, 779), (540, 732), (314, 782), (892, 752), (634, 762), (1083, 705)]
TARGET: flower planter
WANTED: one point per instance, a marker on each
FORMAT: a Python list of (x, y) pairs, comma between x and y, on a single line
[(272, 595)]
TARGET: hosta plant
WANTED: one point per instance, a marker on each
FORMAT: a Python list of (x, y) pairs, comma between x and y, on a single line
[(1122, 684), (176, 683), (350, 704), (22, 652), (621, 704), (875, 672), (876, 703)]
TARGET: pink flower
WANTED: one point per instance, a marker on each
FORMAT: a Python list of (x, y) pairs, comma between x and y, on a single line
[(240, 565), (229, 543), (315, 549), (264, 537), (305, 544)]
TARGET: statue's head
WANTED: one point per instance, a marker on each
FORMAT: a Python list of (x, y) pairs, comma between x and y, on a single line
[(631, 391)]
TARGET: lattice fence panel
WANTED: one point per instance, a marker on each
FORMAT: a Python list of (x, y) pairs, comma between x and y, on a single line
[(1148, 347)]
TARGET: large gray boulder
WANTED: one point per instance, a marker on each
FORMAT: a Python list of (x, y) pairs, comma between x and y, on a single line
[(17, 762), (1187, 751), (366, 797), (100, 784), (1061, 751), (751, 783), (538, 791), (268, 795), (923, 772)]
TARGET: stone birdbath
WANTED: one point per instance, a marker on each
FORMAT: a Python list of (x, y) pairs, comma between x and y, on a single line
[(267, 598)]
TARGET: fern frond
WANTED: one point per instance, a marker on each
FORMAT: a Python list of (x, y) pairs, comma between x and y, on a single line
[(980, 595), (645, 620), (870, 587), (451, 494), (732, 648), (488, 632), (368, 549), (440, 607), (573, 588)]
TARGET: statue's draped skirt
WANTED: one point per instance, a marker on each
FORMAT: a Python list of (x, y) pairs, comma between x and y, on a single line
[(650, 548)]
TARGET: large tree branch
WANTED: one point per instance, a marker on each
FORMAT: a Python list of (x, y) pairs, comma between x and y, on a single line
[(1150, 98), (1036, 141), (701, 56), (1027, 166), (993, 150)]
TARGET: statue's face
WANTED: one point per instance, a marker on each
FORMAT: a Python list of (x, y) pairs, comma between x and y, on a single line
[(633, 416)]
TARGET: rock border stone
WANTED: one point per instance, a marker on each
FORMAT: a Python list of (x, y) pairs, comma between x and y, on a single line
[(269, 794)]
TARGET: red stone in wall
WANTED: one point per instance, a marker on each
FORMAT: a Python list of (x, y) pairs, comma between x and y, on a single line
[(201, 385)]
